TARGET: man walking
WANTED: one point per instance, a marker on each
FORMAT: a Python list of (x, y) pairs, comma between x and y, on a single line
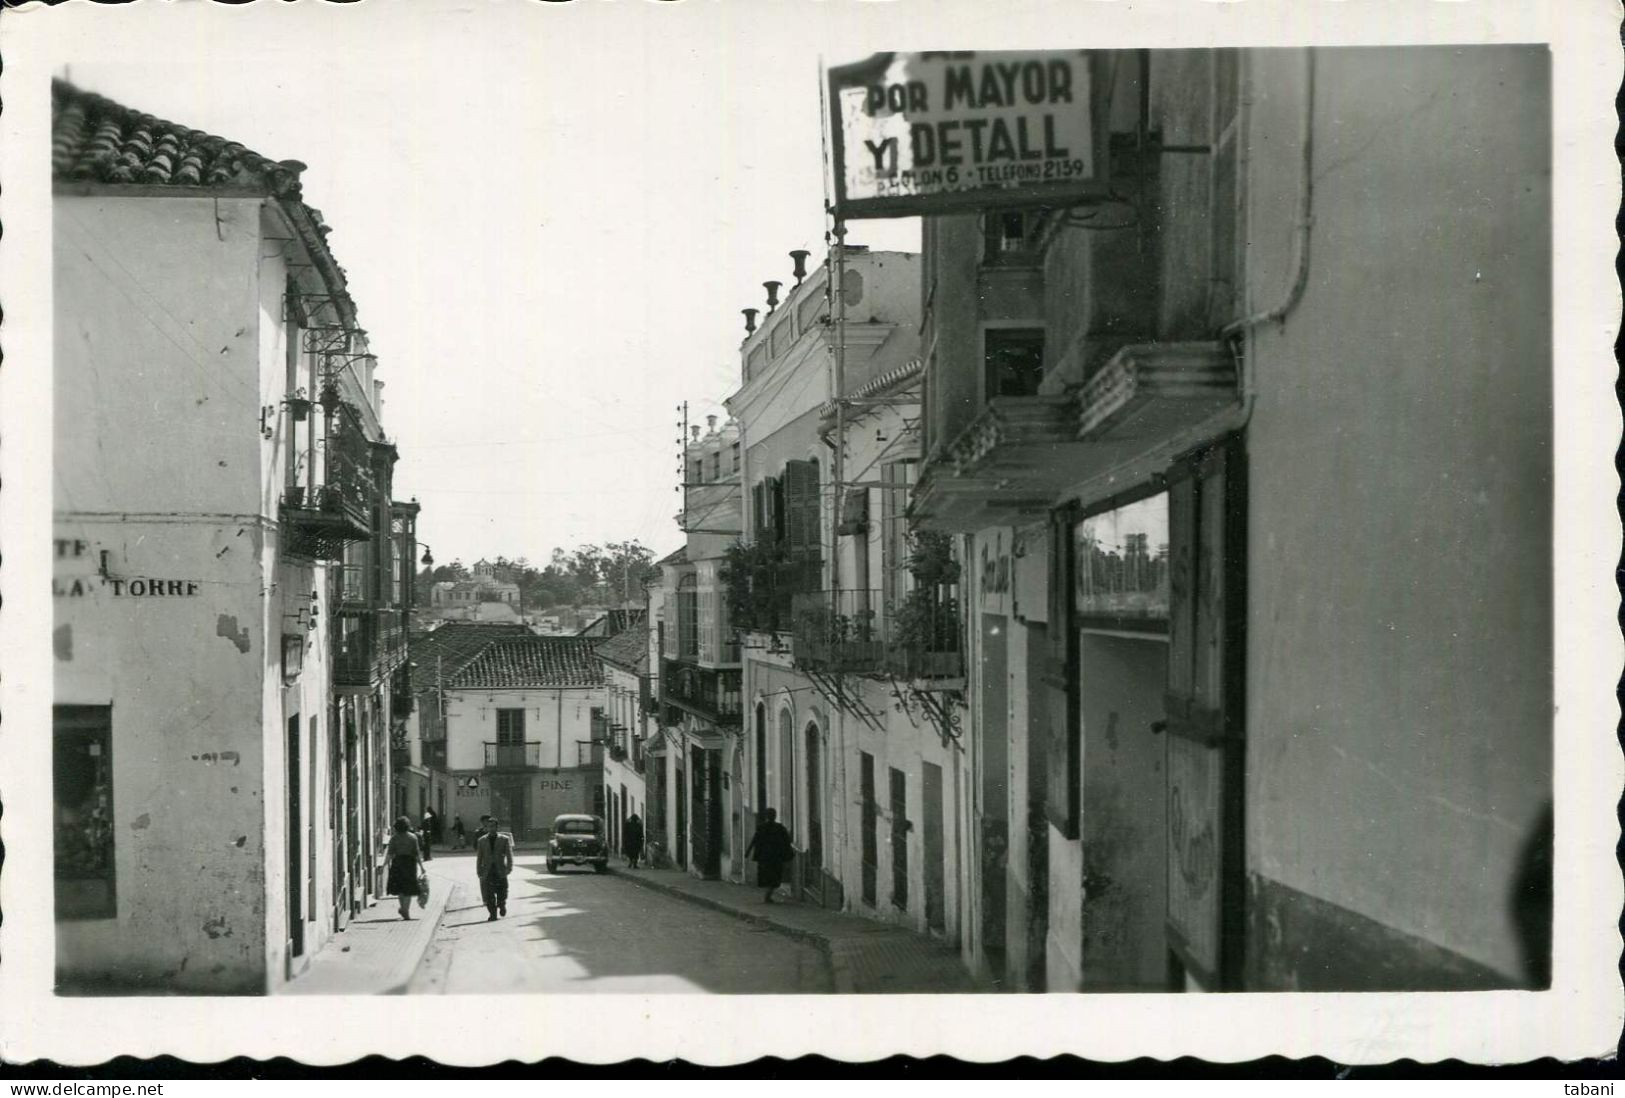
[(771, 848), (633, 839), (493, 861)]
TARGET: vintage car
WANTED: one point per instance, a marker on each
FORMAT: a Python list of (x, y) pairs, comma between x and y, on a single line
[(578, 840)]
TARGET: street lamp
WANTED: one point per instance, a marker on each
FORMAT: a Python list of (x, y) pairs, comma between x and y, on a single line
[(428, 557)]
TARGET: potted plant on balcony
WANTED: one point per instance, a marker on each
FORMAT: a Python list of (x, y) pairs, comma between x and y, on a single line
[(747, 582), (927, 620)]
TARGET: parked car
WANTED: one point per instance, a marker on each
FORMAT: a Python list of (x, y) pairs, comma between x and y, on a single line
[(578, 840)]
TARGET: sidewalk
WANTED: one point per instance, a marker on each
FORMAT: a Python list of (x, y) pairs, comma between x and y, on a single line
[(379, 951), (864, 955)]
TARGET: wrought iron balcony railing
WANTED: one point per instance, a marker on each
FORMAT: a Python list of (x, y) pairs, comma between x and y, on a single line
[(514, 756), (367, 645), (856, 632), (709, 693)]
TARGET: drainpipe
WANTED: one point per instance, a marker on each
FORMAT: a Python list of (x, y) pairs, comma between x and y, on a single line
[(1305, 218)]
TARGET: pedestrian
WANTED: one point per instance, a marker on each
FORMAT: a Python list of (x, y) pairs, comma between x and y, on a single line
[(460, 831), (493, 861), (428, 833), (772, 849), (405, 863), (632, 838)]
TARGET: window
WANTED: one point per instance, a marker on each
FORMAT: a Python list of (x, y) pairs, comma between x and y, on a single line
[(82, 787), (1014, 359), (735, 466), (688, 617), (716, 465), (1009, 237), (510, 726)]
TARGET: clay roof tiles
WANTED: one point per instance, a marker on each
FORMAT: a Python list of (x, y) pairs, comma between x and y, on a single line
[(628, 649), (94, 138), (532, 662)]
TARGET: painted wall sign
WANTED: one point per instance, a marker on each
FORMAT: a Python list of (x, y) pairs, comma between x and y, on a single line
[(72, 582), (924, 133)]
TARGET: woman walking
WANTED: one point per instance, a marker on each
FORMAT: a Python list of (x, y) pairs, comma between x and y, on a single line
[(405, 863), (771, 848)]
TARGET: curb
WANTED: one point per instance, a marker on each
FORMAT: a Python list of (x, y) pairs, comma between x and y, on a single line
[(840, 971), (401, 975)]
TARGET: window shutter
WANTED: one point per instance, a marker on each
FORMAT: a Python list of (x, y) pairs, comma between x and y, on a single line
[(801, 507), (1207, 511), (758, 511), (1060, 684)]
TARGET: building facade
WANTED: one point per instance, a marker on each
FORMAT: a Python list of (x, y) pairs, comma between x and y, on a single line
[(224, 682), (1257, 538), (627, 705), (520, 717), (699, 659)]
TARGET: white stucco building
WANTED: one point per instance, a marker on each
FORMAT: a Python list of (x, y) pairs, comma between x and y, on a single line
[(227, 555)]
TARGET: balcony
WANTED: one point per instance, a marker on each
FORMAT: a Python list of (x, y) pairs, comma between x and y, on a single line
[(368, 645), (918, 637), (1021, 452), (761, 583), (318, 527), (589, 754), (514, 756), (400, 758), (711, 695), (319, 521)]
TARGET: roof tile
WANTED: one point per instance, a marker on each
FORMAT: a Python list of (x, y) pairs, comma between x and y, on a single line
[(532, 661)]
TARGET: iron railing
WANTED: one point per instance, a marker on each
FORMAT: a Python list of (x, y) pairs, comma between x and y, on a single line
[(712, 694), (514, 756), (916, 636)]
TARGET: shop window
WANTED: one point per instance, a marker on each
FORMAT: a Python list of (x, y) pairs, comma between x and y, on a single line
[(1014, 360), (1120, 571), (82, 786)]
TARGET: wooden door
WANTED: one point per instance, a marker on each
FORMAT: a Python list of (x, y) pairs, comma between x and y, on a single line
[(936, 906), (1206, 689), (899, 840), (294, 824), (871, 827)]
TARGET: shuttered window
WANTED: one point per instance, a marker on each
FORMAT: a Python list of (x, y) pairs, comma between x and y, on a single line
[(801, 507), (1059, 696), (1206, 685)]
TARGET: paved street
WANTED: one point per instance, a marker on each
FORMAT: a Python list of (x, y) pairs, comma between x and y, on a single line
[(580, 931)]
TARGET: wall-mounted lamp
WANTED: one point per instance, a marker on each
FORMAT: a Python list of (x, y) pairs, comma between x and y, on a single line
[(428, 557)]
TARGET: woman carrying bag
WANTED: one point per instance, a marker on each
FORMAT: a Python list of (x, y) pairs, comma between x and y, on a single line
[(406, 875)]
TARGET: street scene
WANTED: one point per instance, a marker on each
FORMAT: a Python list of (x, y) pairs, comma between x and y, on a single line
[(1056, 520)]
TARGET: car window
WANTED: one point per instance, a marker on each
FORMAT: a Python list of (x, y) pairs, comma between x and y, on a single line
[(577, 827)]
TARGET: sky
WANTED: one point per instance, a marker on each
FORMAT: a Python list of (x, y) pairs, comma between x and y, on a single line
[(550, 217)]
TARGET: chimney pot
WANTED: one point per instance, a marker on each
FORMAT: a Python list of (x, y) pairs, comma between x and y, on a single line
[(772, 294), (750, 320), (799, 258)]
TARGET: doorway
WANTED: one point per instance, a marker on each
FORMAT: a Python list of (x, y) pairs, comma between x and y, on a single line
[(1125, 894), (899, 839), (936, 906), (680, 839), (510, 802), (294, 825), (995, 792), (815, 822), (871, 825)]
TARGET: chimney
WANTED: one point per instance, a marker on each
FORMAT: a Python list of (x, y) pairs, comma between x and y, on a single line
[(750, 321), (799, 258), (772, 294)]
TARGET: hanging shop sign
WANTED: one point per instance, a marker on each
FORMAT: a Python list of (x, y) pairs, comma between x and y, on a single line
[(931, 133)]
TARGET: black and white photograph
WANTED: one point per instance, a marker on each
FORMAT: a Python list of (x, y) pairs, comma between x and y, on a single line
[(705, 530)]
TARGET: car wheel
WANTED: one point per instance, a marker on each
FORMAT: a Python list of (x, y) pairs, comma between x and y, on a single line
[(552, 867)]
